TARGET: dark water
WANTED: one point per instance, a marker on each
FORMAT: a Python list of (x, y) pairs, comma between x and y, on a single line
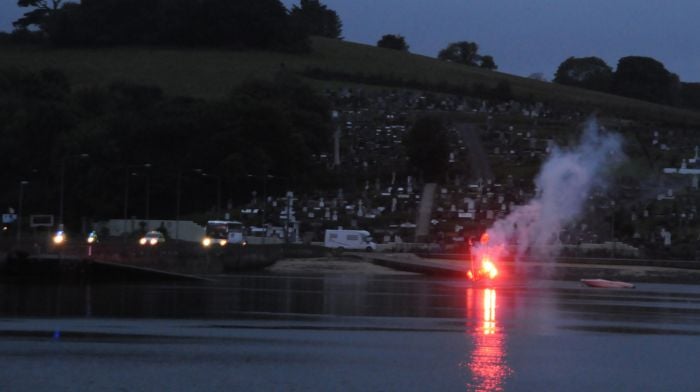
[(537, 335), (257, 295)]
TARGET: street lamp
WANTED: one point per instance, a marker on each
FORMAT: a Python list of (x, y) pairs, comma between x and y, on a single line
[(264, 206), (19, 210), (148, 191), (63, 184), (127, 174), (178, 187), (178, 197), (612, 228), (218, 188)]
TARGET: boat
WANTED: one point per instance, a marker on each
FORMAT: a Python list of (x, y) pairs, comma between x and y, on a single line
[(607, 284)]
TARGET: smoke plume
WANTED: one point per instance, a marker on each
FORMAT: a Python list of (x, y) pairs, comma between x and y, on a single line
[(563, 185)]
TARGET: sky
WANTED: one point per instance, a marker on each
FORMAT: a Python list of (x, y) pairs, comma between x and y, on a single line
[(523, 36)]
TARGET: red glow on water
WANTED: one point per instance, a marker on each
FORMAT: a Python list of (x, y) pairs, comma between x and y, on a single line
[(487, 364), (489, 311)]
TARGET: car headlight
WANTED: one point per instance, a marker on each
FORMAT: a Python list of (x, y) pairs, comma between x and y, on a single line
[(153, 241), (59, 238), (223, 242), (206, 241), (142, 241)]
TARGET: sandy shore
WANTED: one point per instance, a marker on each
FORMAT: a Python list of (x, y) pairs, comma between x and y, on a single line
[(331, 265)]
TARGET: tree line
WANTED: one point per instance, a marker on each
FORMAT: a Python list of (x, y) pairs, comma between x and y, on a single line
[(461, 52), (239, 24), (108, 143), (262, 128), (636, 77)]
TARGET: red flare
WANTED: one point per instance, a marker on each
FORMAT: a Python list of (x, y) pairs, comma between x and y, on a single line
[(482, 265)]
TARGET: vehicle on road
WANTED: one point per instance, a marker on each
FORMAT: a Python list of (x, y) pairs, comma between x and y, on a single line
[(341, 239), (224, 232), (152, 238), (92, 238)]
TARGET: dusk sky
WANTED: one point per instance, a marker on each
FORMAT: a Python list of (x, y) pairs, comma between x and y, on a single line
[(524, 37)]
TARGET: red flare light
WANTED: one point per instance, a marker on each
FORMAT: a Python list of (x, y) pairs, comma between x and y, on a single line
[(487, 270), (482, 263)]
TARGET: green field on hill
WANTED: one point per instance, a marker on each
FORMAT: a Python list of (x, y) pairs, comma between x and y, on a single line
[(212, 73)]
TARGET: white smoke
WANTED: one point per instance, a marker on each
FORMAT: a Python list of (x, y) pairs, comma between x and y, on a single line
[(563, 186)]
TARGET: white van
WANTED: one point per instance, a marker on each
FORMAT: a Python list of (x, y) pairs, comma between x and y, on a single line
[(349, 240)]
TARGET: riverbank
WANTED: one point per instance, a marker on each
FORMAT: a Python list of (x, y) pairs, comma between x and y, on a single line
[(650, 271), (275, 259), (332, 265)]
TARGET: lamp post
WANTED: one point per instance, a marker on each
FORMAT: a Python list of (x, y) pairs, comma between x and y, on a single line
[(178, 191), (63, 183), (218, 188), (19, 210), (218, 192), (126, 202), (127, 175), (612, 228), (178, 185), (288, 215), (148, 191), (264, 206)]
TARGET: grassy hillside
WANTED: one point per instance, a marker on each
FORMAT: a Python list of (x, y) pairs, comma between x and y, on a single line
[(211, 73)]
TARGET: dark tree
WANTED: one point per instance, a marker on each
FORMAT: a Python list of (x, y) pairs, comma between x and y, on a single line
[(280, 124), (315, 18), (35, 117), (393, 41), (258, 24), (237, 24), (647, 79), (487, 62), (107, 22), (37, 17), (427, 147), (587, 72), (462, 52)]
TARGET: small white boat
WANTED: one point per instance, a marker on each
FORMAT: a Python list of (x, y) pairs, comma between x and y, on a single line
[(607, 284)]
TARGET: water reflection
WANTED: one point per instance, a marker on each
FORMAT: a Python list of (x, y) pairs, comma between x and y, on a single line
[(237, 296), (489, 312), (487, 363)]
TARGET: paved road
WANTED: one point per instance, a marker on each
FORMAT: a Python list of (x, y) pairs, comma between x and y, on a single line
[(353, 332)]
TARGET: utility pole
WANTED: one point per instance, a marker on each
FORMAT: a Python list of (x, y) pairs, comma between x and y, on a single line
[(612, 229), (177, 205), (126, 202), (19, 210), (290, 197), (63, 184)]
